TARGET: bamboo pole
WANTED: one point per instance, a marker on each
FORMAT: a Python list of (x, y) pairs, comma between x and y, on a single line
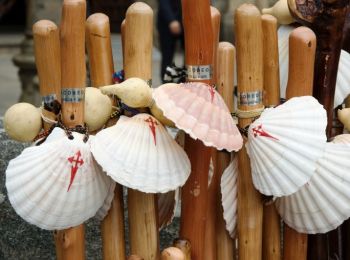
[(185, 246), (199, 62), (248, 33), (98, 40), (302, 45), (213, 188), (271, 222), (48, 63), (144, 237), (70, 242), (225, 82)]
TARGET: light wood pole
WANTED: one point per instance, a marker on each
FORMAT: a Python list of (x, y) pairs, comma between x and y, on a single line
[(302, 46), (98, 41), (248, 31), (70, 242)]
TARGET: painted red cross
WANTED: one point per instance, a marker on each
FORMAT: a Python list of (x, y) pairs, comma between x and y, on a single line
[(212, 92), (259, 131), (76, 162), (152, 125)]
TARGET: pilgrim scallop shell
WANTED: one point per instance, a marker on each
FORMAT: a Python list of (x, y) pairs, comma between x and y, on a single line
[(58, 184), (167, 204), (200, 111), (323, 203), (138, 153), (229, 196), (107, 203), (342, 89), (284, 145)]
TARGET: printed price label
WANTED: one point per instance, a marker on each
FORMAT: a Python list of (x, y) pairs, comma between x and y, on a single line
[(73, 95), (198, 72), (250, 98)]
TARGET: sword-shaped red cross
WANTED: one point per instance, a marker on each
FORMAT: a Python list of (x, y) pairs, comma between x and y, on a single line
[(258, 131), (152, 125), (76, 162)]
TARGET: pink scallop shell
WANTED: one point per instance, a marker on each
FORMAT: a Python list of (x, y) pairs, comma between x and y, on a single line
[(200, 111)]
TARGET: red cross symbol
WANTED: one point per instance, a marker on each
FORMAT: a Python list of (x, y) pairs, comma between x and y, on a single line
[(152, 125), (258, 131), (76, 162), (212, 92)]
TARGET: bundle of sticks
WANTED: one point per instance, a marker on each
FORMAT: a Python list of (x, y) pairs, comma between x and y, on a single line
[(223, 214)]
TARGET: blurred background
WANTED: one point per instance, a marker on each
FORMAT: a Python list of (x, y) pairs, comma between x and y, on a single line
[(18, 80)]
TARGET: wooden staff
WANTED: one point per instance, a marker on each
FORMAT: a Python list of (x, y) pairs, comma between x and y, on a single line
[(225, 82), (271, 222), (214, 187), (48, 63), (199, 62), (98, 40), (185, 246), (250, 84), (70, 242), (302, 45), (122, 30), (144, 237)]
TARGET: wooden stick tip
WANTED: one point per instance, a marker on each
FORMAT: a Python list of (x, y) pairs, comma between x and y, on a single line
[(172, 253), (226, 45), (44, 27), (97, 18), (139, 7), (97, 23), (269, 18), (74, 3), (303, 34), (248, 10), (214, 11)]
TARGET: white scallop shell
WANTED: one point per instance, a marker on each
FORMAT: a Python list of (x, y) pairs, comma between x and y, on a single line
[(229, 196), (200, 111), (58, 184), (167, 204), (324, 202), (342, 89), (284, 145), (138, 153), (107, 203)]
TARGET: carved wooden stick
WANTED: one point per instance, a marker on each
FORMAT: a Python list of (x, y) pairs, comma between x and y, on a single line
[(213, 189), (271, 222), (48, 63), (70, 243), (144, 237), (226, 55), (248, 32), (198, 57), (302, 45), (98, 40)]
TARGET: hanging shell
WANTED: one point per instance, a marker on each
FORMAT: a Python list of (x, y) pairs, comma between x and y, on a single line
[(167, 205), (58, 184), (284, 145), (200, 111), (138, 153), (342, 89), (229, 196), (323, 203), (107, 203)]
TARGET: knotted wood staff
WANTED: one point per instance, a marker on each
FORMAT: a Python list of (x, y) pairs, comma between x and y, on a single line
[(70, 242), (225, 82), (214, 187), (199, 62), (249, 46), (98, 40), (326, 18), (271, 222), (302, 45), (142, 207), (48, 63)]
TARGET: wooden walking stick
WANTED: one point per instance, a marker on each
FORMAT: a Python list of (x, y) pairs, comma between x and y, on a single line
[(249, 46), (271, 222), (48, 63), (142, 207), (225, 82), (214, 187), (98, 40), (199, 62), (302, 45), (70, 242)]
